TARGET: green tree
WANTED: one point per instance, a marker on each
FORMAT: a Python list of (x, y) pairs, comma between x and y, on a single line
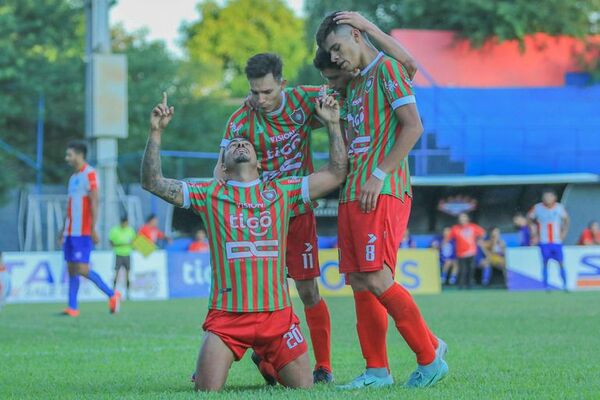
[(41, 51), (477, 20), (226, 36)]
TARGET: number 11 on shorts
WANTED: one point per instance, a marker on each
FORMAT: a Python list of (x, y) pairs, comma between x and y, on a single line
[(307, 257)]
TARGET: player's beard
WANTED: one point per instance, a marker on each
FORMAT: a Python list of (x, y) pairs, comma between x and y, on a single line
[(241, 158)]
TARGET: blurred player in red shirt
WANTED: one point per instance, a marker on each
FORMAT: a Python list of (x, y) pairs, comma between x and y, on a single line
[(200, 244), (150, 229), (590, 235), (466, 235)]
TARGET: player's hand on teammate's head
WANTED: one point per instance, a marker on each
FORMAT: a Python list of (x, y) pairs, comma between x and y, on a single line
[(328, 108), (354, 19), (161, 114)]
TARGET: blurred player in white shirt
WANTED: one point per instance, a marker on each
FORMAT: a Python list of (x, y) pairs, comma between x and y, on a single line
[(551, 224)]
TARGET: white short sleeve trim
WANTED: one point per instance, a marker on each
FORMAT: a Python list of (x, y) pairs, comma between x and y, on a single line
[(305, 192), (403, 101), (225, 142), (186, 196)]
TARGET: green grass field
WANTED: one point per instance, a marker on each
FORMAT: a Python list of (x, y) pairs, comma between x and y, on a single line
[(501, 345)]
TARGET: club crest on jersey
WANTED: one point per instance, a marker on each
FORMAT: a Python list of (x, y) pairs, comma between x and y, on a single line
[(298, 116), (391, 85), (234, 128), (268, 195), (369, 83)]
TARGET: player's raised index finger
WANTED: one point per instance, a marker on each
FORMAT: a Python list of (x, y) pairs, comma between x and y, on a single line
[(164, 100)]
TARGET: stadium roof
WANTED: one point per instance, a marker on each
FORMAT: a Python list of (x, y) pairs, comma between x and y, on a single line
[(452, 61)]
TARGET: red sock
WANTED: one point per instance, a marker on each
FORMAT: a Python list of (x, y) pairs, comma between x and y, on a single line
[(319, 326), (371, 325), (432, 338), (403, 309)]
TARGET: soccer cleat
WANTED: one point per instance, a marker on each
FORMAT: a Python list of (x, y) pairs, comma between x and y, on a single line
[(368, 381), (193, 377), (322, 375), (270, 379), (114, 303), (71, 312), (428, 375), (441, 350)]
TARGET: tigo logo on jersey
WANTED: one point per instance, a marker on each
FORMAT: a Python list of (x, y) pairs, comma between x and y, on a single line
[(258, 226)]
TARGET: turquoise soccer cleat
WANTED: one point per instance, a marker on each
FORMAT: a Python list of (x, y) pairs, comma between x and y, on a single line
[(366, 380), (441, 350), (428, 375)]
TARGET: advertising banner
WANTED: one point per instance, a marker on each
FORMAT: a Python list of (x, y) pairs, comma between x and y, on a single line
[(582, 266), (43, 276)]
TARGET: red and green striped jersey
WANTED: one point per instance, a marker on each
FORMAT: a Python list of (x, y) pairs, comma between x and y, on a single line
[(247, 225), (373, 127), (282, 137)]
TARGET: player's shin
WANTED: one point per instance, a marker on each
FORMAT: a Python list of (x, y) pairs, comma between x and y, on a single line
[(409, 322), (371, 326), (319, 326)]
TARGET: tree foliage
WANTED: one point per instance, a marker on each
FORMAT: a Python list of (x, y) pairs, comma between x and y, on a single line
[(474, 19), (226, 36)]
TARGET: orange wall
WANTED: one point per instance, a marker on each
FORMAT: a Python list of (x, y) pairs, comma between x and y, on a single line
[(453, 62)]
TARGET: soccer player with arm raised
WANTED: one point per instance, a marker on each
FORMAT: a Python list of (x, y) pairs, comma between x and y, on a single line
[(279, 125), (247, 221), (383, 124)]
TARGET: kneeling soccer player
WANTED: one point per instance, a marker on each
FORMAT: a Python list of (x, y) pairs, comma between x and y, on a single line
[(247, 222)]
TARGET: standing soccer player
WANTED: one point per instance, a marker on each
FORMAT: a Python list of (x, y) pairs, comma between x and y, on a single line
[(247, 220), (372, 317), (280, 130), (383, 125), (551, 221), (79, 232)]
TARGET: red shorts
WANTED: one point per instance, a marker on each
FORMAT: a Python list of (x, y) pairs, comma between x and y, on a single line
[(302, 256), (274, 335), (367, 242)]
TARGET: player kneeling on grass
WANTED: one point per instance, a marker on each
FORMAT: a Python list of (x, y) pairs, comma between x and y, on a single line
[(247, 220)]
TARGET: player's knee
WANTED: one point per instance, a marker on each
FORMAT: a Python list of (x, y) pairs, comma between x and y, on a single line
[(308, 292)]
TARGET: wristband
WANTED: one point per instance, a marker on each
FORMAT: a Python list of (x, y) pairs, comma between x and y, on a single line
[(379, 174)]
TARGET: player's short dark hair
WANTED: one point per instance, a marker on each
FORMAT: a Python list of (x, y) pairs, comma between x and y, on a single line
[(78, 146), (323, 61), (150, 217), (549, 190), (327, 26), (124, 218), (262, 64)]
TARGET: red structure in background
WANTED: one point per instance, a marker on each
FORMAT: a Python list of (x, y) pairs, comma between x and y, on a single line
[(452, 62)]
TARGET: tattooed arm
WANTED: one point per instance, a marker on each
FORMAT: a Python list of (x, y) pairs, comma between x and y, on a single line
[(334, 173), (170, 190)]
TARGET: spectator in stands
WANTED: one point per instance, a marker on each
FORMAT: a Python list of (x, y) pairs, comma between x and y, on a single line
[(121, 238), (407, 241), (150, 229), (467, 236), (4, 282), (200, 244), (590, 235), (522, 225), (494, 248), (448, 262)]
